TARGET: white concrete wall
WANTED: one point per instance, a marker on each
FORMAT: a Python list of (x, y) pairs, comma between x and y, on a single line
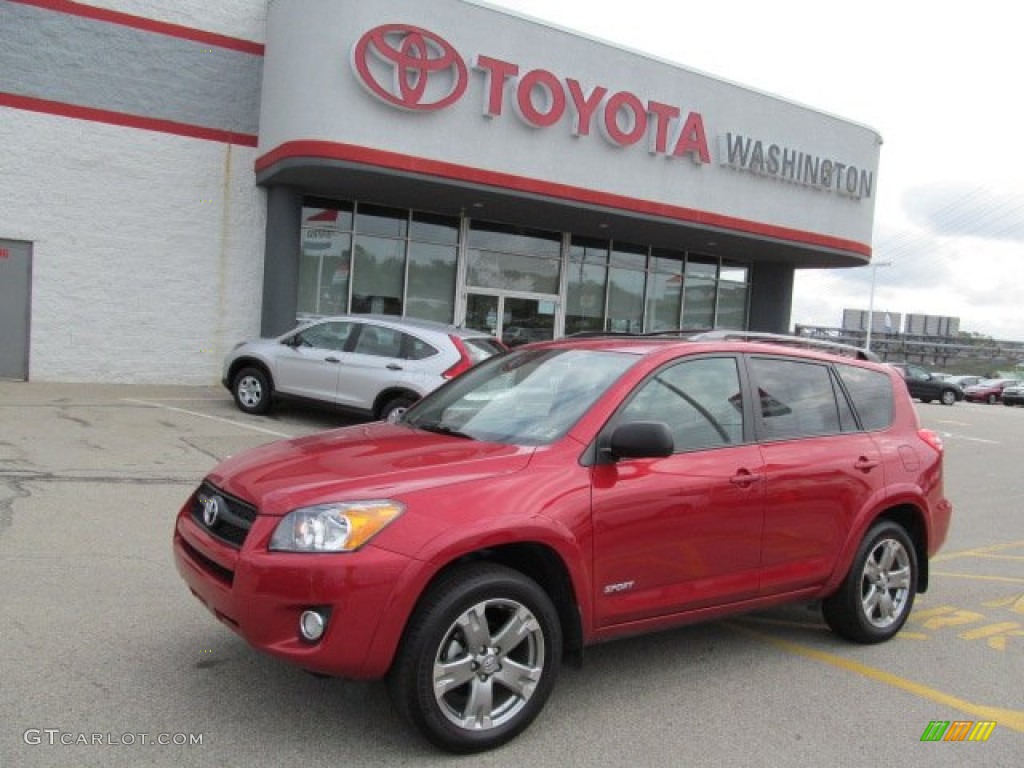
[(245, 19), (147, 248)]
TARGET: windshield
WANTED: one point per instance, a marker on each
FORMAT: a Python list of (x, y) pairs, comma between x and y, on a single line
[(531, 397)]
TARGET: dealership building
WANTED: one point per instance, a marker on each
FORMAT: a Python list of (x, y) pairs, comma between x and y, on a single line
[(180, 175)]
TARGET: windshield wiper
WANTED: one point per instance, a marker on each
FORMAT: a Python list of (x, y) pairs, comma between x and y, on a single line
[(442, 429)]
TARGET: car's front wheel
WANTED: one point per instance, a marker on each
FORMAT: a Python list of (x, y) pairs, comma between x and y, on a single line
[(993, 399), (877, 594), (251, 389), (479, 658)]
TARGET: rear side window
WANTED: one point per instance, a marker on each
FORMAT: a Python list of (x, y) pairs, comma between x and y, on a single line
[(416, 349), (797, 399), (379, 341), (480, 348), (871, 393)]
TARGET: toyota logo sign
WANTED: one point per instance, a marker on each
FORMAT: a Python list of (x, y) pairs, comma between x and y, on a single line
[(409, 67)]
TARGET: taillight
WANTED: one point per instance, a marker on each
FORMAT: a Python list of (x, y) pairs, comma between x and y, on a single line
[(932, 438), (464, 363)]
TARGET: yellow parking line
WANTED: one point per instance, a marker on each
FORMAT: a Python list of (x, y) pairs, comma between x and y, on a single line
[(978, 577), (977, 551), (1007, 718), (987, 556)]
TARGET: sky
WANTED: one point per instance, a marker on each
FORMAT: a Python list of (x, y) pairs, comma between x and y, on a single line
[(940, 81)]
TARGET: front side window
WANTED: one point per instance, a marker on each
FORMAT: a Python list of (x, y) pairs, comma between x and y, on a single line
[(699, 400), (333, 336)]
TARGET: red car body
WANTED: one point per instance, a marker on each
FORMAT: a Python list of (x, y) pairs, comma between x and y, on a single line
[(988, 390), (623, 547)]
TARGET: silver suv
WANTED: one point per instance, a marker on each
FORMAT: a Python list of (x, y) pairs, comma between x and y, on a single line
[(372, 365)]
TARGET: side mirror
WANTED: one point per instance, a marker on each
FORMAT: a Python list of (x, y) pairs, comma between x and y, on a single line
[(640, 440)]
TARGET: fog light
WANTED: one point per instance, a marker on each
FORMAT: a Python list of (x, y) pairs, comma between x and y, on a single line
[(311, 625)]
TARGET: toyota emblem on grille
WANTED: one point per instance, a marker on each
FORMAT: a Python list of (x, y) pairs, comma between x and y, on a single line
[(211, 511), (409, 67)]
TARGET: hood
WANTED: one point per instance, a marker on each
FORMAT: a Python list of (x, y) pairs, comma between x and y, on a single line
[(377, 460)]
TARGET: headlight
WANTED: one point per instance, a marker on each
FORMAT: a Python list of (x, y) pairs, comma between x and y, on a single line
[(341, 527)]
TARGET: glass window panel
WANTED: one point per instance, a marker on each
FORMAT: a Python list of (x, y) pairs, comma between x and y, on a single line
[(663, 302), (512, 272), (334, 275), (734, 273), (333, 335), (629, 256), (588, 251), (309, 282), (796, 399), (871, 392), (732, 306), (429, 228), (489, 236), (585, 300), (387, 222), (667, 261), (379, 341), (431, 293), (527, 320), (698, 303), (699, 400), (701, 266), (625, 301), (379, 275), (327, 214)]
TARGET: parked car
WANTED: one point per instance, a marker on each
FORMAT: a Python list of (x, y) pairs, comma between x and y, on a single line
[(372, 365), (964, 381), (1014, 395), (567, 493), (926, 387), (988, 390)]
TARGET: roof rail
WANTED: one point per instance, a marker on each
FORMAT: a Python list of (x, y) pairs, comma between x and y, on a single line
[(794, 341)]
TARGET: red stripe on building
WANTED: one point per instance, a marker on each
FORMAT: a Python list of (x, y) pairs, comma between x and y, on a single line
[(394, 161), (148, 25), (126, 120)]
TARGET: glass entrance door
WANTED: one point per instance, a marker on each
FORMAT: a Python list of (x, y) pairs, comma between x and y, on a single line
[(513, 319)]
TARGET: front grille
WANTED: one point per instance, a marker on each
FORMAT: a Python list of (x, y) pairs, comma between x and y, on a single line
[(232, 519)]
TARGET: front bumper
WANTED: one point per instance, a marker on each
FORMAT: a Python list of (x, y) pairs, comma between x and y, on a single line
[(260, 595)]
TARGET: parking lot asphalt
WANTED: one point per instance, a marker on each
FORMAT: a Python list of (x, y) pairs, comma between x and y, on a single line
[(105, 653)]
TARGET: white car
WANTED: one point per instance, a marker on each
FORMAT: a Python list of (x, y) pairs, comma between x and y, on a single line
[(372, 365)]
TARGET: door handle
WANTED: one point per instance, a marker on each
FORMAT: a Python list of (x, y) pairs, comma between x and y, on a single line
[(864, 464), (331, 359), (744, 478), (394, 367)]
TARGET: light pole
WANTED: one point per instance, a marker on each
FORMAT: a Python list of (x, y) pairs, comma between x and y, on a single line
[(871, 301)]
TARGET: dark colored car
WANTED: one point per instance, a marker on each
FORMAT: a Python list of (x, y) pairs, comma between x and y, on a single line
[(1014, 395), (564, 494), (988, 390), (925, 387)]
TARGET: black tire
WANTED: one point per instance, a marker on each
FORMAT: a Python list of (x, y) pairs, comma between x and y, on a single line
[(252, 390), (926, 400), (875, 598), (461, 624), (993, 399), (948, 397), (399, 403)]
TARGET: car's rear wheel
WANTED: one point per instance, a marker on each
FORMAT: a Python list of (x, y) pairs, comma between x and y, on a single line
[(948, 397), (993, 399), (395, 407), (877, 594), (479, 658), (251, 389)]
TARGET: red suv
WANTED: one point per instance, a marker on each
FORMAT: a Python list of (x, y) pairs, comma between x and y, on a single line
[(566, 493)]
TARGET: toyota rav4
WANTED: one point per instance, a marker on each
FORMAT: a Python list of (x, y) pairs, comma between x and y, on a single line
[(567, 493)]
